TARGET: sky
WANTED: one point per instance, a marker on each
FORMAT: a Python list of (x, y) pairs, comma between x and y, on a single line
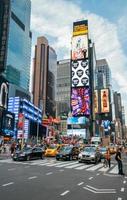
[(107, 21)]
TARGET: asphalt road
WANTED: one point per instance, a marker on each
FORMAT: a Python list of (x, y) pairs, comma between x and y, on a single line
[(36, 180)]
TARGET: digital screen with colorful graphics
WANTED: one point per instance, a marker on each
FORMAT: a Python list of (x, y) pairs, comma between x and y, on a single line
[(80, 27), (79, 47), (80, 73), (80, 101), (96, 101), (105, 101)]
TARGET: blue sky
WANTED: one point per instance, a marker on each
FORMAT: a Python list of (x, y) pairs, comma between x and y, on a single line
[(107, 28)]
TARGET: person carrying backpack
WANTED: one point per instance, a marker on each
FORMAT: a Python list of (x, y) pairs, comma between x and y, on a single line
[(119, 161)]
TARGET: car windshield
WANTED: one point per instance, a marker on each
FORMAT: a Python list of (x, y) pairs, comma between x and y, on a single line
[(89, 149), (66, 148), (27, 149)]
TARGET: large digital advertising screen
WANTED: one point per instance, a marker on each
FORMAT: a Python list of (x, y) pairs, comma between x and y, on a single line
[(79, 47), (80, 73), (80, 27), (80, 101), (105, 101)]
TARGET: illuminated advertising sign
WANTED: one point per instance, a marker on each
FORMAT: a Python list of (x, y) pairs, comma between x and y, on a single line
[(77, 120), (80, 73), (96, 101), (105, 101), (21, 121), (79, 47), (80, 101), (80, 28)]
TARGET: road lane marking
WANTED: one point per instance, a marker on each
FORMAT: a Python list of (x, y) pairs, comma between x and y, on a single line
[(83, 167), (97, 191), (54, 164), (64, 165), (94, 167), (49, 173), (64, 193), (91, 178), (61, 170), (11, 169), (119, 198), (80, 183), (11, 183), (97, 174), (114, 170), (104, 169), (32, 177), (124, 182), (122, 190), (73, 166)]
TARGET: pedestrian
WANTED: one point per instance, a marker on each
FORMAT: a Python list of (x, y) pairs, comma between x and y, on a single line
[(108, 157), (119, 161)]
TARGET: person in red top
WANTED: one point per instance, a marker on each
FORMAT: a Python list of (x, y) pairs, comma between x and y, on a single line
[(108, 157)]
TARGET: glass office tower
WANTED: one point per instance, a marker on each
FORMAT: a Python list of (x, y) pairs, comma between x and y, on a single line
[(19, 44)]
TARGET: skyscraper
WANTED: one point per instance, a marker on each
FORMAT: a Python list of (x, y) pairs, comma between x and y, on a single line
[(44, 76), (103, 74), (63, 86), (17, 54)]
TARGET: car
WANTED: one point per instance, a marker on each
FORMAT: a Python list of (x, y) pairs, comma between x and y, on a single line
[(52, 150), (28, 153), (90, 155), (68, 152)]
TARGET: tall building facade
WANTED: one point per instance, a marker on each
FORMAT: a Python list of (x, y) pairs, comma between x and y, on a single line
[(16, 19), (102, 74), (44, 76), (63, 87)]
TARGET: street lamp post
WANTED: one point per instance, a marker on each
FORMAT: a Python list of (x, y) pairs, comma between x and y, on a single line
[(37, 127)]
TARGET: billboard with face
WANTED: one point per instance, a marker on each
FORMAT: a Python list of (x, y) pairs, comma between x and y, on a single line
[(80, 73), (105, 101), (80, 101), (79, 47)]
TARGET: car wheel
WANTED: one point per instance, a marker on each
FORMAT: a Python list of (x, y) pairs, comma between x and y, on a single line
[(57, 158), (28, 158), (42, 157)]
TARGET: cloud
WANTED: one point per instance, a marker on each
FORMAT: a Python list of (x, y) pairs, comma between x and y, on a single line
[(54, 18)]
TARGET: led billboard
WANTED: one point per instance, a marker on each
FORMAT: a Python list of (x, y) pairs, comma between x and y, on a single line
[(80, 101), (96, 101), (80, 73), (79, 47), (105, 101), (80, 27)]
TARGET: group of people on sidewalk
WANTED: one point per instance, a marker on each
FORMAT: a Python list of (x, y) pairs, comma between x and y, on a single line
[(118, 158)]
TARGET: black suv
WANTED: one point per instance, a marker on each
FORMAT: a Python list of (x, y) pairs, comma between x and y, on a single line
[(68, 153)]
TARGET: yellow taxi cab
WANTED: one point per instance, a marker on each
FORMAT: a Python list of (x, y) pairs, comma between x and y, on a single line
[(52, 150)]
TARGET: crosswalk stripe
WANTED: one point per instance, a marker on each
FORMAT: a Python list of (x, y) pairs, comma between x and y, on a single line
[(105, 169), (67, 164), (83, 167), (38, 163), (54, 164), (95, 167), (73, 166), (114, 170)]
